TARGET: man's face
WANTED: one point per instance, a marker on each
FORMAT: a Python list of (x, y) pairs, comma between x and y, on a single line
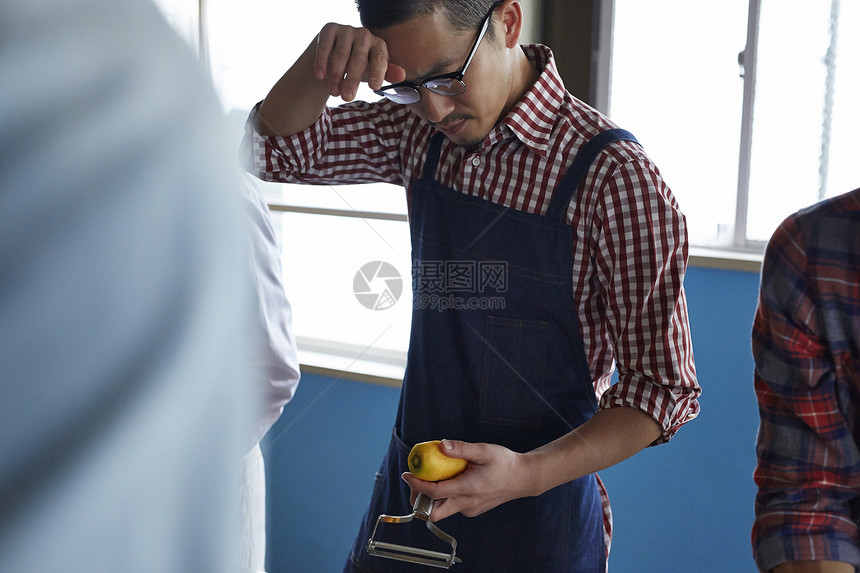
[(426, 46)]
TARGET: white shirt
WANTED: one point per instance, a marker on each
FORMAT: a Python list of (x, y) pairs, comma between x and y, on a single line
[(277, 361)]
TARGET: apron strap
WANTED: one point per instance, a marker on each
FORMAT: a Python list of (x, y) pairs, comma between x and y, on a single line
[(566, 190), (432, 156)]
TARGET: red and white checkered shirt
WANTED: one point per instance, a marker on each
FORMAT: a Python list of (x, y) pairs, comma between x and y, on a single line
[(630, 238)]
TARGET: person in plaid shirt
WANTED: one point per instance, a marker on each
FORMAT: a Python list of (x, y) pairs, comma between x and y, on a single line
[(502, 167), (806, 344)]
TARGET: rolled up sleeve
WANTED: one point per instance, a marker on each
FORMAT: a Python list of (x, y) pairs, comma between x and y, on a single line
[(808, 470), (640, 247)]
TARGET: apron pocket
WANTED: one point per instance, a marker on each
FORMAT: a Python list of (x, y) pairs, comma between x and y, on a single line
[(512, 381)]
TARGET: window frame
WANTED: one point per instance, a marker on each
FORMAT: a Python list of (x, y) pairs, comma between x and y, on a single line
[(741, 254), (747, 59)]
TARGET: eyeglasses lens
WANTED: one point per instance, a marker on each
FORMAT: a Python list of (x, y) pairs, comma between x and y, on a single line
[(402, 95), (447, 86)]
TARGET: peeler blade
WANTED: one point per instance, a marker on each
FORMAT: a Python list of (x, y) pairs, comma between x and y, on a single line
[(412, 554)]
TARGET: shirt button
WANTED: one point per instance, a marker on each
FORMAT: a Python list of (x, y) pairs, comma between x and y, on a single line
[(476, 161)]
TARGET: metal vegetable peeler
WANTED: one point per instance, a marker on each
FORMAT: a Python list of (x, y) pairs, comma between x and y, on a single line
[(421, 509)]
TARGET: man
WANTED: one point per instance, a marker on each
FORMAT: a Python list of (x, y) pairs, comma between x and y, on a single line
[(806, 344), (589, 267), (125, 303)]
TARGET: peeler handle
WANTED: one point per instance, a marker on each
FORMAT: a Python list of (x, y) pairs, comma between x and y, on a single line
[(422, 507)]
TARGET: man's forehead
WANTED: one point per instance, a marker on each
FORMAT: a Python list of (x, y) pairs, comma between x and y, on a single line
[(425, 46)]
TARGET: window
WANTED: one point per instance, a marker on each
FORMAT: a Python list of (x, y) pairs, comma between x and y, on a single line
[(742, 139), (805, 117), (358, 232)]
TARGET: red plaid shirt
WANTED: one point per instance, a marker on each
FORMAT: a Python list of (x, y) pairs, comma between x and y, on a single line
[(806, 343), (630, 245)]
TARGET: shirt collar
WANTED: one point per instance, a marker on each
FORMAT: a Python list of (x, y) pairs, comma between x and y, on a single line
[(533, 118)]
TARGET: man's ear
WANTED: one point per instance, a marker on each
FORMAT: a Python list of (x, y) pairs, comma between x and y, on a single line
[(510, 22)]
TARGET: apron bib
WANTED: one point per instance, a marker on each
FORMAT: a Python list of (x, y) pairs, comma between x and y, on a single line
[(495, 356)]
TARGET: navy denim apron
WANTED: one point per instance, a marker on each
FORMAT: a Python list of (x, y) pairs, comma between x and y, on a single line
[(495, 356)]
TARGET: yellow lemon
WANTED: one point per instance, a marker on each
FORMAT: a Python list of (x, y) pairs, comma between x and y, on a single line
[(428, 462)]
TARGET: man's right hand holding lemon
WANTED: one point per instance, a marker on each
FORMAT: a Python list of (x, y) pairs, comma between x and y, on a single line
[(471, 465)]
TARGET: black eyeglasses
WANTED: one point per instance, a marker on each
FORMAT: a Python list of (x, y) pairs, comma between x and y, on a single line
[(446, 84)]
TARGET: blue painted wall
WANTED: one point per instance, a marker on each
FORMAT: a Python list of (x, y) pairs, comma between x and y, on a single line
[(681, 507)]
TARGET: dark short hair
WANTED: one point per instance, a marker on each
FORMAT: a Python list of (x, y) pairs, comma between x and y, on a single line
[(463, 15)]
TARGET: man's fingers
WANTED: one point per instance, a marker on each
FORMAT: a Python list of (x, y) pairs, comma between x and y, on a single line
[(441, 510), (377, 64), (465, 450), (358, 63), (325, 43), (334, 49), (346, 56), (394, 74)]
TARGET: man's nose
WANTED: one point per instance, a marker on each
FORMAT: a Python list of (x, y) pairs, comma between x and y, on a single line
[(435, 107)]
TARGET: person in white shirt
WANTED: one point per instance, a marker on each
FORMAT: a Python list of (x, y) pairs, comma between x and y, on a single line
[(126, 310), (276, 366)]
